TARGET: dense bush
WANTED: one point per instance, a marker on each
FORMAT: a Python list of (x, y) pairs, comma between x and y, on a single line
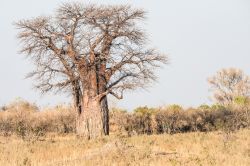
[(174, 119), (27, 121)]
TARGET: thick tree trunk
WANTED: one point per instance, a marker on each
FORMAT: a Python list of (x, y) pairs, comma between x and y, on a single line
[(102, 84), (92, 121), (77, 96), (105, 115), (102, 80), (89, 122)]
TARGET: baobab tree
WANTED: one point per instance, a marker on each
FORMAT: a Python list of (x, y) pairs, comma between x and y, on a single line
[(229, 84), (91, 51)]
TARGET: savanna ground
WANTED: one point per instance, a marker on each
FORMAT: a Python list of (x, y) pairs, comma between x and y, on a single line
[(195, 148)]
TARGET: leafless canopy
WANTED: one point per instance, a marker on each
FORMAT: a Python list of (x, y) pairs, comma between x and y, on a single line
[(80, 39), (229, 84)]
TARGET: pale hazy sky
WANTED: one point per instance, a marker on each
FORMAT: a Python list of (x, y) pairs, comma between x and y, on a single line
[(199, 36)]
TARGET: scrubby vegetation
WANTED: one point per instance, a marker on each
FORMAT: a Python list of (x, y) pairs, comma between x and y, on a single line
[(27, 121), (171, 135), (24, 119), (174, 119)]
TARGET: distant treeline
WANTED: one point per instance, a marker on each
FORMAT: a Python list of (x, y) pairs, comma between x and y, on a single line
[(23, 119)]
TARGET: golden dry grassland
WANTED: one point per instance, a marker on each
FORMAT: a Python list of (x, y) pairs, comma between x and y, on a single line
[(214, 148)]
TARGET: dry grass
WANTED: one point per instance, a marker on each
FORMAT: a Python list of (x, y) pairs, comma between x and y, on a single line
[(215, 148)]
